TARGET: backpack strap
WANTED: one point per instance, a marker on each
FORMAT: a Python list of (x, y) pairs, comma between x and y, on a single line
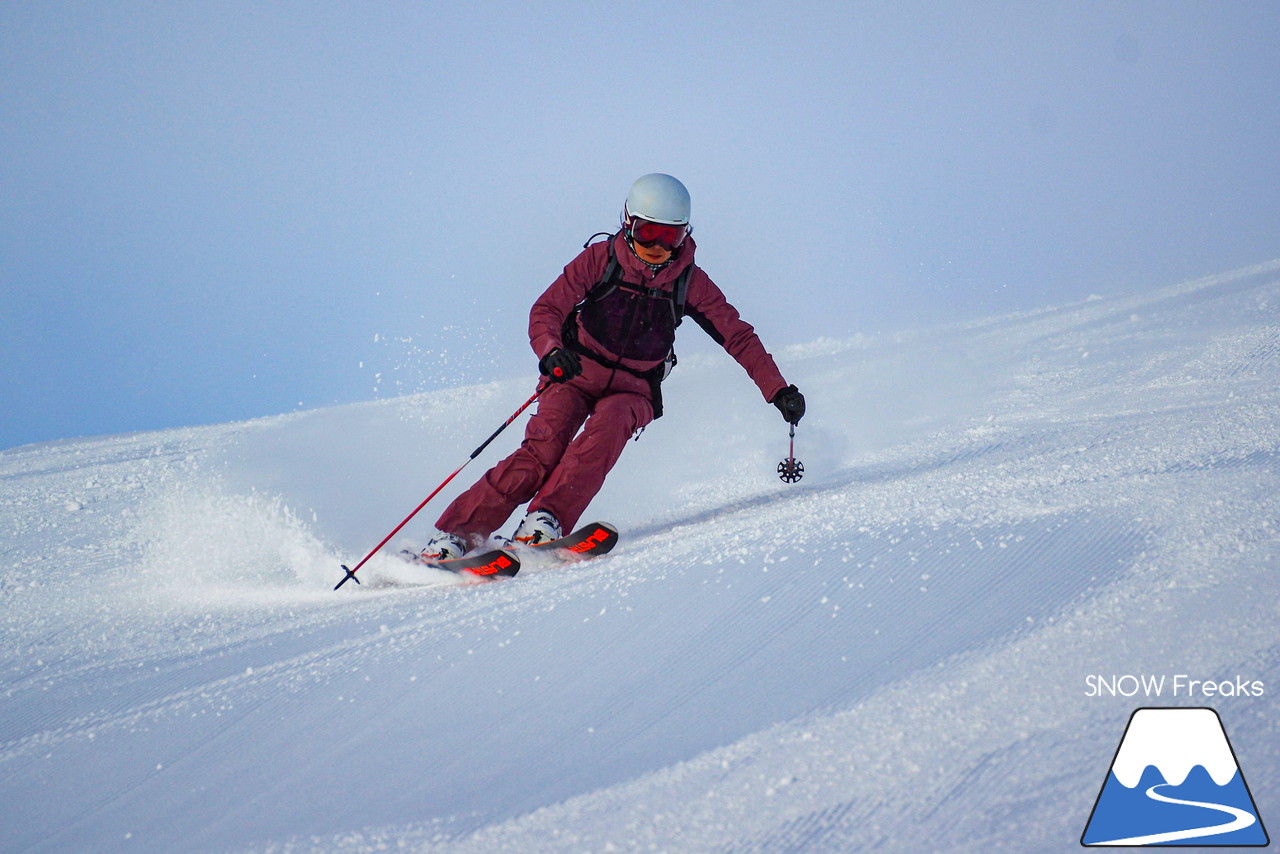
[(679, 291), (611, 279)]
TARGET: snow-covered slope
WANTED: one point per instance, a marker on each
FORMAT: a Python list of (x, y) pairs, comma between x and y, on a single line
[(891, 654)]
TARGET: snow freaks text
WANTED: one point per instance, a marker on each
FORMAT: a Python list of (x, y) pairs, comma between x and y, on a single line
[(1175, 685)]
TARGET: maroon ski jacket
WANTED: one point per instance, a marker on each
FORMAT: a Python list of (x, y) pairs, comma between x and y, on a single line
[(704, 303)]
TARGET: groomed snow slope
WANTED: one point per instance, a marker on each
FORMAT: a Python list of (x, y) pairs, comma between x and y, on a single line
[(891, 655)]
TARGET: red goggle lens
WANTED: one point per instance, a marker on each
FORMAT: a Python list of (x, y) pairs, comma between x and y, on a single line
[(649, 234)]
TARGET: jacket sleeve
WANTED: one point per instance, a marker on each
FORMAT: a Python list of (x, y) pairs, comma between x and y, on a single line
[(549, 311), (707, 306)]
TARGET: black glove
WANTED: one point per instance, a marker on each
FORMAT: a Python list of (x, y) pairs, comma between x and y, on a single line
[(790, 403), (560, 365)]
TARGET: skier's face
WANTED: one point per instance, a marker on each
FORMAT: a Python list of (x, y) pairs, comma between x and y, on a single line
[(654, 242), (654, 254)]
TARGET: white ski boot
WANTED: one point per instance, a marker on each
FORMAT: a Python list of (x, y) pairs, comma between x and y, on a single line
[(443, 547), (536, 528)]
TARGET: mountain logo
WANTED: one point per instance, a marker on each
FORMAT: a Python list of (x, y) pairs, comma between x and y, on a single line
[(1175, 781)]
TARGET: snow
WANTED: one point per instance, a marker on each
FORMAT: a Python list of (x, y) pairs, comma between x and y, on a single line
[(1174, 741), (891, 654)]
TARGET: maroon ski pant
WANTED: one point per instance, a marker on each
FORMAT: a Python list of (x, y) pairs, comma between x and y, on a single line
[(556, 468)]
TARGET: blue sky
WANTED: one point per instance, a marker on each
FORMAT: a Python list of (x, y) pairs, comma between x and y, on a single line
[(215, 211)]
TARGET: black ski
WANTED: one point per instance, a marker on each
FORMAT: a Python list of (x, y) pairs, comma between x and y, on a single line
[(588, 541), (487, 564)]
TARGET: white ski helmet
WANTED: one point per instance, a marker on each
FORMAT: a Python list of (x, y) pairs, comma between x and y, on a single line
[(657, 198)]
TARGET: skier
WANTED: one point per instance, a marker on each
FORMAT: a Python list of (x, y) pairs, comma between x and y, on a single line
[(603, 333)]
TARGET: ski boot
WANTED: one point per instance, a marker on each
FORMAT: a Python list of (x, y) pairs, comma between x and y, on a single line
[(443, 546), (537, 527)]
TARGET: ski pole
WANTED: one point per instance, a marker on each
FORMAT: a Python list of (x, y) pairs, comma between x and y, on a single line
[(791, 470), (351, 573)]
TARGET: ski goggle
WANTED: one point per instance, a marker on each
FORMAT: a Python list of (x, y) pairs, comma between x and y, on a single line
[(651, 234)]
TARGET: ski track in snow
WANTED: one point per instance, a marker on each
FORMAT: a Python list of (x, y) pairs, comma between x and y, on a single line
[(889, 655)]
